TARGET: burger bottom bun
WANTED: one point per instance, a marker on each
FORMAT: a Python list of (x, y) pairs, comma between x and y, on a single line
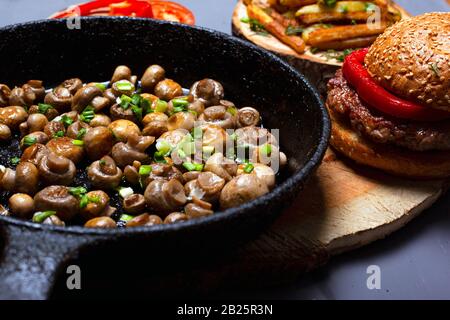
[(392, 159)]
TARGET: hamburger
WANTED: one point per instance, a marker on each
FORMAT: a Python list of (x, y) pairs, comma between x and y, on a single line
[(390, 103)]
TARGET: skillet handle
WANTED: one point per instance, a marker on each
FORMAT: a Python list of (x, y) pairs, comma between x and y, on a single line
[(31, 260)]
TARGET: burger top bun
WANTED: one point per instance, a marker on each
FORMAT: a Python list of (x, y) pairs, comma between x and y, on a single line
[(412, 59)]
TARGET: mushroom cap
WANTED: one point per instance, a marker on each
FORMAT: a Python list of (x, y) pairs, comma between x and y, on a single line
[(208, 91), (144, 220), (34, 153), (36, 122), (12, 116), (101, 222), (57, 170), (168, 89), (176, 217), (98, 142), (27, 178), (122, 129), (64, 147), (97, 208), (165, 196), (57, 198), (242, 189), (134, 203), (152, 76), (21, 205), (218, 115), (104, 173)]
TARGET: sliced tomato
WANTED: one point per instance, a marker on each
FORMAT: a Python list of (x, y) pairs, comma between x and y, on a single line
[(171, 11)]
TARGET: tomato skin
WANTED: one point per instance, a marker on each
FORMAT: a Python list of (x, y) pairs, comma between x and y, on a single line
[(379, 98), (162, 10)]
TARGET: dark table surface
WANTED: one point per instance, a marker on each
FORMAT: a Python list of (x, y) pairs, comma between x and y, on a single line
[(414, 262)]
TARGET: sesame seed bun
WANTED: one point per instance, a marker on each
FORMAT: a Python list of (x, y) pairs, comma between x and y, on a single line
[(395, 160), (412, 59)]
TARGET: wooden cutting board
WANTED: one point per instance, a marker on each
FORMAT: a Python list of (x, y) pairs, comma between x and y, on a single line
[(343, 207)]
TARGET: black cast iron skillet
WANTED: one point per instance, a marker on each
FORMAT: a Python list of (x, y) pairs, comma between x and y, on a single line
[(49, 50)]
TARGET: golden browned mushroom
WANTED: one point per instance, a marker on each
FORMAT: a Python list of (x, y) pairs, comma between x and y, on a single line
[(173, 137), (131, 173), (101, 222), (49, 113), (151, 77), (176, 217), (32, 138), (84, 97), (117, 113), (121, 73), (104, 174), (98, 205), (122, 129), (164, 196), (208, 91), (218, 115), (21, 205), (5, 92), (98, 142), (221, 165), (73, 85), (59, 98), (13, 116), (248, 116), (100, 120), (134, 204), (21, 97), (54, 169), (99, 103), (77, 130), (215, 137), (134, 149), (242, 189), (254, 136), (36, 122), (144, 220), (181, 120), (163, 171), (54, 221), (206, 187), (197, 107), (5, 132), (59, 199), (27, 178), (190, 175), (263, 172), (168, 89), (53, 128), (36, 86), (7, 178), (198, 208), (34, 154), (155, 124), (66, 147)]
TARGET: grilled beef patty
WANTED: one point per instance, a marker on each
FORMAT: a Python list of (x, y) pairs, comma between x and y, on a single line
[(380, 128)]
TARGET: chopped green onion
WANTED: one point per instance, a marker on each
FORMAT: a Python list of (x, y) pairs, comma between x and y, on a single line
[(15, 161), (29, 141), (94, 199), (59, 134), (158, 156), (233, 136), (137, 112), (40, 216), (125, 217), (88, 114), (197, 133), (125, 101), (136, 99), (161, 106), (245, 20), (79, 143), (102, 162), (181, 153), (293, 30), (163, 147), (249, 167), (125, 192), (124, 85), (43, 107), (265, 149), (193, 166), (232, 111), (146, 105), (101, 86), (66, 120), (81, 133), (145, 170), (77, 191), (180, 104), (84, 201), (329, 3)]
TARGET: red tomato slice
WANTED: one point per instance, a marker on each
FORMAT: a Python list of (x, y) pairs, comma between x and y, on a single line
[(171, 11)]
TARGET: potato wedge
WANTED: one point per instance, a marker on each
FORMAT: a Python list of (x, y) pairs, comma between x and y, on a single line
[(275, 28), (340, 33), (359, 42), (325, 17)]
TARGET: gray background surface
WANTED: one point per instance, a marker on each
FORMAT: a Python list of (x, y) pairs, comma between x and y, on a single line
[(414, 262)]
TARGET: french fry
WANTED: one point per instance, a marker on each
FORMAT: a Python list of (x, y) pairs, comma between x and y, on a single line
[(359, 42), (340, 33), (296, 3), (275, 28), (311, 18)]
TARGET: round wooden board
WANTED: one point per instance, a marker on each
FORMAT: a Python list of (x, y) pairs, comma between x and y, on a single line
[(317, 67)]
